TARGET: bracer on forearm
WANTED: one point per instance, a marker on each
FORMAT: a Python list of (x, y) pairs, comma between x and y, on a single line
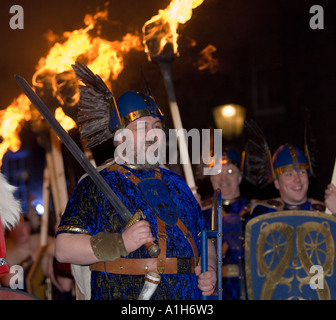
[(108, 246)]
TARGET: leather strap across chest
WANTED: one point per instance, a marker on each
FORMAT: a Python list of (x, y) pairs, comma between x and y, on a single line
[(162, 239), (129, 175), (161, 263)]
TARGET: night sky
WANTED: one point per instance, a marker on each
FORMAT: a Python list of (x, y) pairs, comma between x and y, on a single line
[(270, 61)]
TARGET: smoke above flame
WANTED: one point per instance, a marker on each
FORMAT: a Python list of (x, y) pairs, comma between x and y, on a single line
[(206, 60)]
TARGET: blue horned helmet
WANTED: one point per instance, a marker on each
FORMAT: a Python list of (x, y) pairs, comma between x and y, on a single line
[(231, 156), (228, 156), (289, 157), (133, 105)]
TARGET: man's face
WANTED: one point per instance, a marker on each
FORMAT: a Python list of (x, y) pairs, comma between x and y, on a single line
[(227, 181), (293, 186), (143, 141)]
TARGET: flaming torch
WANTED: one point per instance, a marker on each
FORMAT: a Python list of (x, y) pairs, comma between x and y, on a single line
[(55, 81), (160, 40)]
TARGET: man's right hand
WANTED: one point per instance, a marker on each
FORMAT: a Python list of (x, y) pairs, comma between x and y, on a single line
[(137, 235)]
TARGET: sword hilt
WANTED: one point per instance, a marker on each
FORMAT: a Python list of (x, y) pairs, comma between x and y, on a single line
[(152, 248)]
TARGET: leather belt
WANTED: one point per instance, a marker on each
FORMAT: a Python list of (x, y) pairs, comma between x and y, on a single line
[(142, 266)]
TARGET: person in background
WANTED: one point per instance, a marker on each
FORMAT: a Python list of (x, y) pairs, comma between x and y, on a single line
[(235, 208), (291, 171)]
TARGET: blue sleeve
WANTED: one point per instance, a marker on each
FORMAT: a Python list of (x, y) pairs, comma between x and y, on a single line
[(261, 209), (80, 215)]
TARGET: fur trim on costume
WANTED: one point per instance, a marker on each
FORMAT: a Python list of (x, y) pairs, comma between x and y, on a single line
[(10, 207)]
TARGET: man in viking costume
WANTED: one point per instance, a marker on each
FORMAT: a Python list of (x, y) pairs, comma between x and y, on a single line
[(235, 208), (282, 231), (291, 171), (10, 211), (91, 231)]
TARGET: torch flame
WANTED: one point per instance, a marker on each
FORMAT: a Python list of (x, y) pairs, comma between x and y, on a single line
[(10, 119), (102, 57), (163, 26), (66, 122)]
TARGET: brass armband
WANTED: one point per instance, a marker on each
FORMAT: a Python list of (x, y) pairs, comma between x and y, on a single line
[(108, 246)]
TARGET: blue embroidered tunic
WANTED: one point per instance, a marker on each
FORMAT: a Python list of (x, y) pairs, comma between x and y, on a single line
[(88, 209)]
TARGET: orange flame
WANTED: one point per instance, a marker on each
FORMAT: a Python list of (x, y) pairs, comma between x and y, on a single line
[(163, 26), (10, 119), (66, 122), (102, 57), (105, 57)]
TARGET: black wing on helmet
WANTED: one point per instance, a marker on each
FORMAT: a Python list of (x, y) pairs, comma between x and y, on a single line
[(96, 108), (257, 166)]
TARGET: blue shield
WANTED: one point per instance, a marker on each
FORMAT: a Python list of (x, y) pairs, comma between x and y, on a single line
[(158, 198), (291, 255)]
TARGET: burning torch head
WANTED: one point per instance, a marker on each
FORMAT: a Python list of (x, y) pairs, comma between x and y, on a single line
[(289, 157), (134, 105)]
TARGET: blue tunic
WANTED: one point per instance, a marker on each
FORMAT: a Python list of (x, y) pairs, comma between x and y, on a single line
[(88, 209), (232, 232)]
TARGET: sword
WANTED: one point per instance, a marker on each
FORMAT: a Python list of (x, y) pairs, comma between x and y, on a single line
[(99, 181)]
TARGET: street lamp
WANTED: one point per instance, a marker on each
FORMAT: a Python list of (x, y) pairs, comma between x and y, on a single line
[(229, 118)]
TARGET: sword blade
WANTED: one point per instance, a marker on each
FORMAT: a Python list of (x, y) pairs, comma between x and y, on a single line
[(74, 149)]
